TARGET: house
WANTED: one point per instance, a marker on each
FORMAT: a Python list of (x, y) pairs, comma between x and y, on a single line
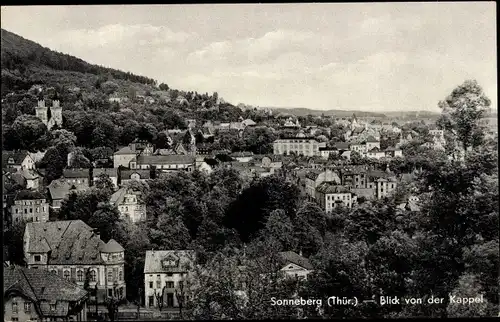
[(316, 177), (38, 295), (166, 271), (165, 162), (129, 204), (136, 174), (112, 173), (37, 156), (74, 251), (295, 265), (384, 183), (271, 161), (248, 123), (243, 156), (330, 195), (60, 189), (375, 153), (29, 206), (325, 152), (77, 176), (204, 167), (18, 160), (393, 152), (124, 156)]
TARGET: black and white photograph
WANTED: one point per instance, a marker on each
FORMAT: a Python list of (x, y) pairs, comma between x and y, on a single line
[(250, 161)]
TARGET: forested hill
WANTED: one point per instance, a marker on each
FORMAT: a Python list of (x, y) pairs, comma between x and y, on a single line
[(19, 54)]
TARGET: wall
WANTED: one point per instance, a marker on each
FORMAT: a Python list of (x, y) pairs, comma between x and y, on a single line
[(176, 277), (21, 315)]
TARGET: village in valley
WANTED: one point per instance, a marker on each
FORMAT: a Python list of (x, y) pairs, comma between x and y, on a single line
[(125, 199)]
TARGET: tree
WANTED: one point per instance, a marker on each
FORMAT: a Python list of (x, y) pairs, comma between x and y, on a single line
[(109, 87), (462, 114), (159, 294), (468, 287), (163, 87), (30, 133), (104, 183)]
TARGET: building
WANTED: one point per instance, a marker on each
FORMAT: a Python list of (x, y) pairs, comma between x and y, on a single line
[(29, 206), (38, 295), (50, 116), (19, 160), (248, 123), (77, 176), (124, 156), (384, 183), (74, 251), (137, 175), (60, 189), (166, 271), (295, 265), (375, 153), (298, 145), (327, 151), (330, 195), (165, 163), (316, 177), (129, 204)]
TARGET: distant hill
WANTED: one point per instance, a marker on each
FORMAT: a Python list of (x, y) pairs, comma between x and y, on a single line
[(301, 111)]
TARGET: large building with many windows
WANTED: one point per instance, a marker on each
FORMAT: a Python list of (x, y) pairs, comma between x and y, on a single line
[(29, 206), (75, 251), (298, 145)]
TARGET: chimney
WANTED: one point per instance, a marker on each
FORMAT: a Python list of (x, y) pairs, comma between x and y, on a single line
[(300, 252)]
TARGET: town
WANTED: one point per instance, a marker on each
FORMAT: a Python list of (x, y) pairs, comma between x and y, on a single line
[(125, 199)]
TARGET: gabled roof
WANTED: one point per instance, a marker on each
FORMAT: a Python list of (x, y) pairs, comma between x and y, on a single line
[(112, 246), (29, 195), (29, 174), (41, 285), (313, 174), (76, 173), (166, 159), (153, 263), (374, 150), (342, 145), (71, 242), (371, 139), (293, 257), (60, 188)]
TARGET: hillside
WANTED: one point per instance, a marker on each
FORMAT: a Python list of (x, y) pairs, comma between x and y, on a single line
[(302, 111), (23, 59)]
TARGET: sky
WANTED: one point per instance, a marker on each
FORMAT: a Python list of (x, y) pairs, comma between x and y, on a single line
[(359, 56)]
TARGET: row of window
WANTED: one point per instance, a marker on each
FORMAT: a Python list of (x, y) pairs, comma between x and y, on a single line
[(35, 219), (37, 210), (338, 197), (169, 284), (80, 275), (27, 307), (30, 202)]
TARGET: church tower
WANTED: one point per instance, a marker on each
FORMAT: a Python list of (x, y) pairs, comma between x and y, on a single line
[(56, 114), (42, 112)]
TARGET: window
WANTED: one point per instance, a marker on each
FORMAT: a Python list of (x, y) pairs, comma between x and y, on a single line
[(27, 307), (14, 307), (110, 276), (54, 271), (38, 258), (17, 211), (52, 307), (120, 275), (93, 276), (158, 284), (43, 209), (66, 274), (14, 319), (110, 292), (31, 210), (169, 284), (37, 209), (181, 284), (150, 285), (79, 275), (25, 210)]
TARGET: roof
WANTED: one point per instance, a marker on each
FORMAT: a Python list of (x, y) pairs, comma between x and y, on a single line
[(371, 139), (17, 156), (313, 174), (241, 154), (165, 159), (29, 195), (76, 173), (60, 188), (71, 242), (119, 195), (328, 187), (248, 122), (43, 287), (112, 246), (293, 257), (125, 150), (342, 145), (30, 174), (37, 156), (375, 149), (112, 172), (144, 174), (332, 148), (154, 259)]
